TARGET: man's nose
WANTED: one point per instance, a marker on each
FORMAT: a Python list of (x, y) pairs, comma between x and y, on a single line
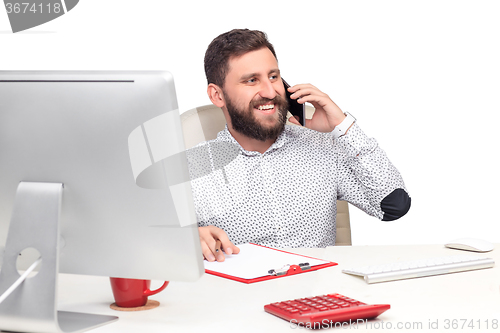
[(267, 89)]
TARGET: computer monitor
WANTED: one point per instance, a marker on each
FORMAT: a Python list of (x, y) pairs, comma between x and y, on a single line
[(105, 149)]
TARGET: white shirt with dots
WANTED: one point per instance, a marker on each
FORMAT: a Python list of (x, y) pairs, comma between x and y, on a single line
[(287, 196)]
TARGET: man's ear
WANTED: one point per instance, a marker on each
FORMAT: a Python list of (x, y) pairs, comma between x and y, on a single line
[(215, 94)]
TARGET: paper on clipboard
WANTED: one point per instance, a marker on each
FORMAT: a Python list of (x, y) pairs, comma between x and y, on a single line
[(254, 262)]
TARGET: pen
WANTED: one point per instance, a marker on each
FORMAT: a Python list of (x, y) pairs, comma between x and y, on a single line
[(218, 246)]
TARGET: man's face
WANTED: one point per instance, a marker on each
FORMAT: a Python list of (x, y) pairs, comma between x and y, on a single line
[(254, 95)]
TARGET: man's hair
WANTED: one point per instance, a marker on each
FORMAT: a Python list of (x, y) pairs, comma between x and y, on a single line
[(231, 44)]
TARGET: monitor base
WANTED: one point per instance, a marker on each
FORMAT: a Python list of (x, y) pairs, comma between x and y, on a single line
[(32, 306), (80, 322)]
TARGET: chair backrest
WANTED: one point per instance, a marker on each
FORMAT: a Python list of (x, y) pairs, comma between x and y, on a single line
[(204, 122)]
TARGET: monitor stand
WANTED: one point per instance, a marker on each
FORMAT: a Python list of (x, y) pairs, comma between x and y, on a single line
[(32, 306)]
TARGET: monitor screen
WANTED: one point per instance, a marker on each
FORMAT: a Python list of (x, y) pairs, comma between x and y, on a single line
[(114, 140)]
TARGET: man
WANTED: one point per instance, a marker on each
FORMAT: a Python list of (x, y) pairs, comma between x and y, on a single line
[(281, 188)]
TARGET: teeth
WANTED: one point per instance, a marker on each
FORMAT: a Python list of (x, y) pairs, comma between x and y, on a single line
[(266, 107)]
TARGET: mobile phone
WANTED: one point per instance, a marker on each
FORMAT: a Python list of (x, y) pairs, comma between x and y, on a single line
[(294, 107)]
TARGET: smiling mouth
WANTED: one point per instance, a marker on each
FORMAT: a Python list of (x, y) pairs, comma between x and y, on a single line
[(267, 107)]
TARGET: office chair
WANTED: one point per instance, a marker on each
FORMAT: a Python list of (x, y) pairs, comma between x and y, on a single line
[(204, 122)]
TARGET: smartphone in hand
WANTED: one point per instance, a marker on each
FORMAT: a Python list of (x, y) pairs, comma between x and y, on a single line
[(295, 108)]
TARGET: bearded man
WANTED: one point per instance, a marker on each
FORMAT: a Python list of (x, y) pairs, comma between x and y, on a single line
[(282, 187)]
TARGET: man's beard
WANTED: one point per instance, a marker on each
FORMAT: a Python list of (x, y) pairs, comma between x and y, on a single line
[(245, 122)]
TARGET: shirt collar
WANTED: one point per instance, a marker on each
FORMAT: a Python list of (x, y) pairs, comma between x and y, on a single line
[(225, 135)]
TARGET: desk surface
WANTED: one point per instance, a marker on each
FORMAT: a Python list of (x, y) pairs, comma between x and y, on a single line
[(212, 304)]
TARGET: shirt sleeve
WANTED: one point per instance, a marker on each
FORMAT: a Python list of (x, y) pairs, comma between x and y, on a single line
[(367, 179)]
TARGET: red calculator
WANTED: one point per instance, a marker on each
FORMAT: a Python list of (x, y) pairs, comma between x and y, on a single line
[(323, 311)]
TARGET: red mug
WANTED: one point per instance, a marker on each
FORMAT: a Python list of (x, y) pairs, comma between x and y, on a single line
[(132, 293)]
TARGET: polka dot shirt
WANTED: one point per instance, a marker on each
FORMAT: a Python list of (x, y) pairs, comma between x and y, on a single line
[(287, 196)]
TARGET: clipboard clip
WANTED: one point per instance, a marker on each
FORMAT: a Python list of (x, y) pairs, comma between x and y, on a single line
[(290, 269)]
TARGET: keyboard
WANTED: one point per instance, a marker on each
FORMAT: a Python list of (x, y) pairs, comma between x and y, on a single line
[(420, 268), (324, 311)]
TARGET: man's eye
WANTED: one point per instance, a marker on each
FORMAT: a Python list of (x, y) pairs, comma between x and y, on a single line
[(251, 80)]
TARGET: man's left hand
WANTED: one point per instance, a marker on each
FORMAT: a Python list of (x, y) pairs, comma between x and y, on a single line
[(327, 114)]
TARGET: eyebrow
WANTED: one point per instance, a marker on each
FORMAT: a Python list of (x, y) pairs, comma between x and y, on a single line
[(249, 76)]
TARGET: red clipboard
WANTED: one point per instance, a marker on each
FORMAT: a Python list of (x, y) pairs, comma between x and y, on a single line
[(292, 264)]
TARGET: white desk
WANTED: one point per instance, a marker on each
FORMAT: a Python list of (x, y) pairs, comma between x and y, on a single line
[(214, 304)]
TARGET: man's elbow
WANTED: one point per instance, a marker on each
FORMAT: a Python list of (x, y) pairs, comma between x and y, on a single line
[(395, 205)]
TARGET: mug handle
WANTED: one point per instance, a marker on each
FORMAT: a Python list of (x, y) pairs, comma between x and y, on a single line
[(149, 292)]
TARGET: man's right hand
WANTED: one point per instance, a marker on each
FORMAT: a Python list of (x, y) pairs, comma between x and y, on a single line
[(208, 238)]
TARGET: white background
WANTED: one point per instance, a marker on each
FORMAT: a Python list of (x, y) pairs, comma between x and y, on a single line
[(422, 77)]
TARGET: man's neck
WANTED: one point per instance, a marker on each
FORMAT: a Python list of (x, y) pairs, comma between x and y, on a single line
[(251, 144)]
